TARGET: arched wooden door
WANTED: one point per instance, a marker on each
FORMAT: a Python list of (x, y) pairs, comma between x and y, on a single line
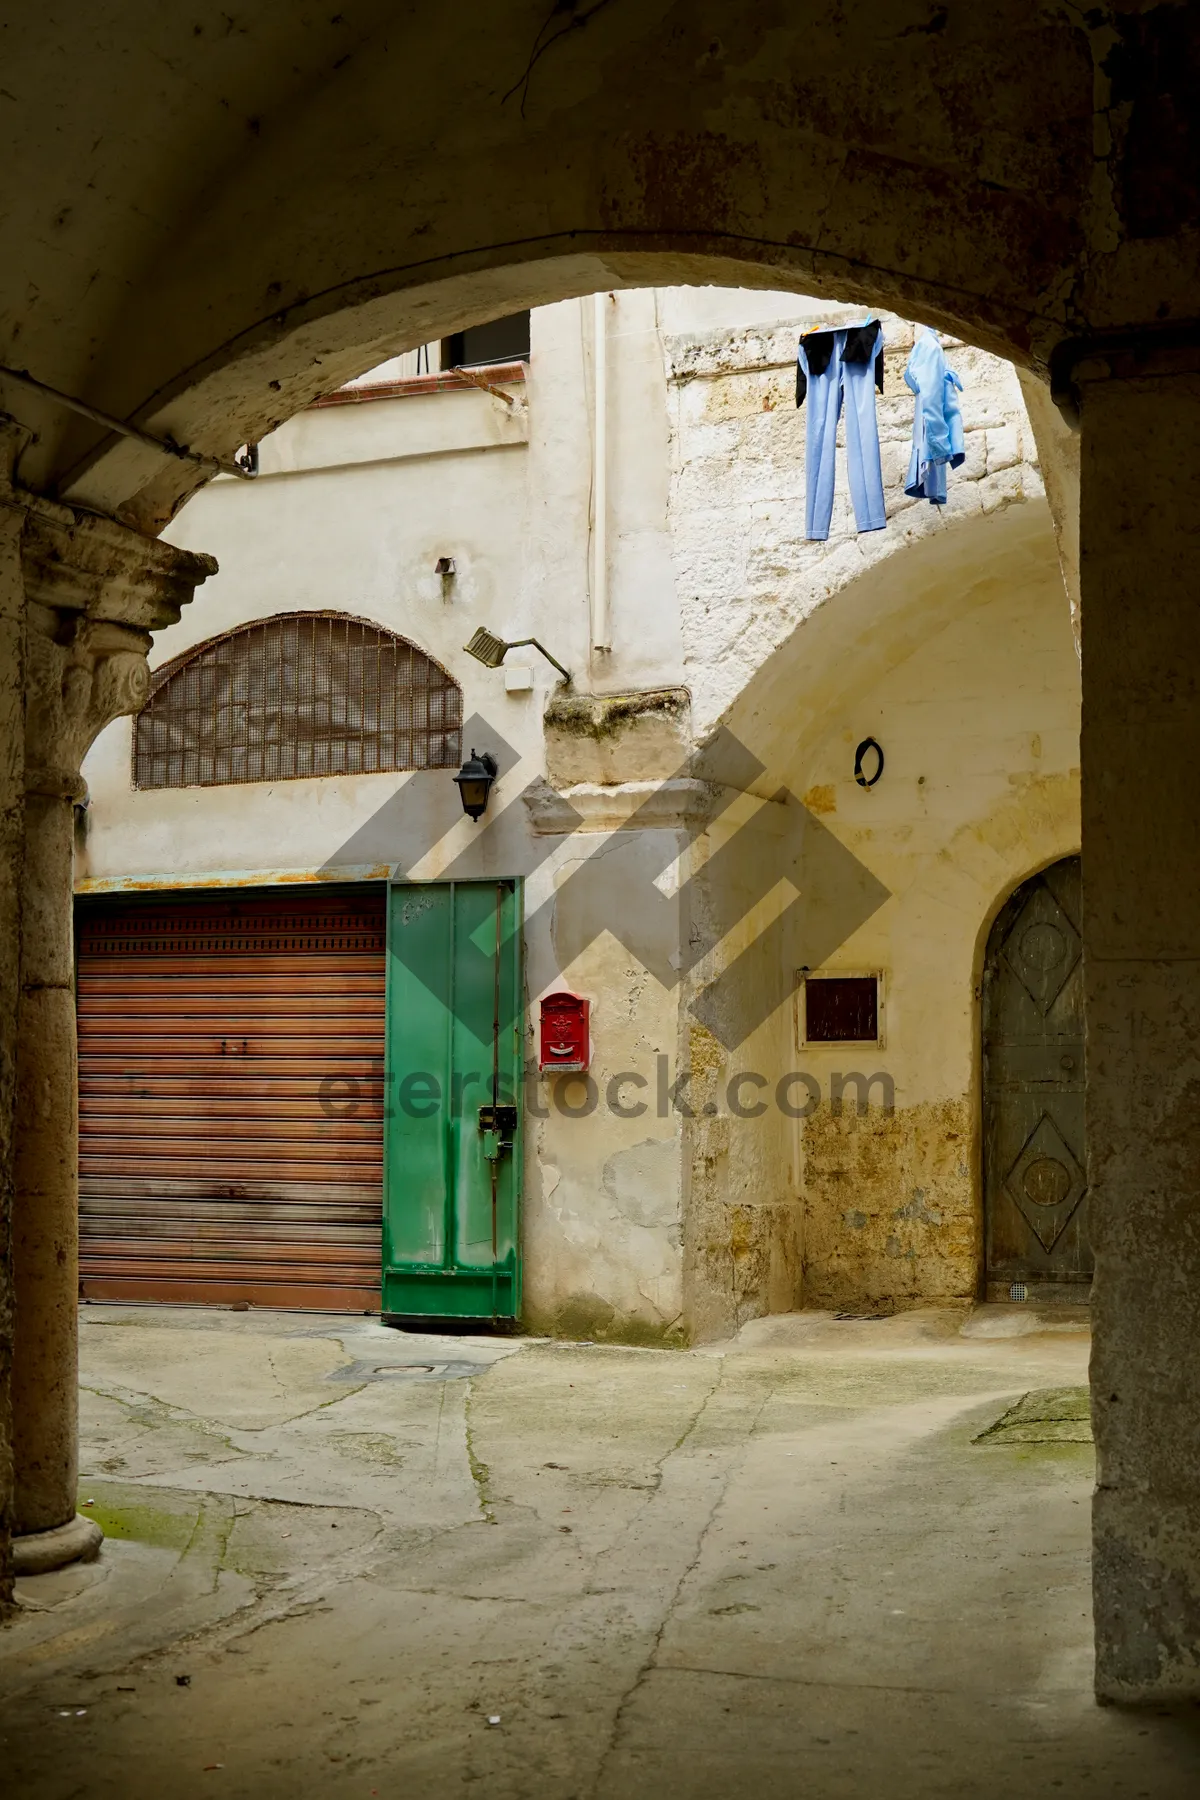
[(1034, 1184)]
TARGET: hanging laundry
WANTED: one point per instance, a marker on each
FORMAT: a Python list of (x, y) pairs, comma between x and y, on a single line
[(831, 367), (937, 442)]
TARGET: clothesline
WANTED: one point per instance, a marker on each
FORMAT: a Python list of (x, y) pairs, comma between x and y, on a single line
[(722, 371)]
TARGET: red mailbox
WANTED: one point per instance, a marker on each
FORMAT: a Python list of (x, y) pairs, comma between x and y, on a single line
[(565, 1039)]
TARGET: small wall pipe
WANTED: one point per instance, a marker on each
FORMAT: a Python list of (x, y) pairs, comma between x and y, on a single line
[(601, 635), (215, 465)]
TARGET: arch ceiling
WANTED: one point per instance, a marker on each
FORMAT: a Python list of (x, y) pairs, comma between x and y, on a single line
[(871, 623), (211, 218)]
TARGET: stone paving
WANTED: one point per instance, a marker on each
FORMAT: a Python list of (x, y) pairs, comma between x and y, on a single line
[(344, 1560)]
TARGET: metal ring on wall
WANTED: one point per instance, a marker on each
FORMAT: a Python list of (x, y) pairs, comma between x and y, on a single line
[(868, 744)]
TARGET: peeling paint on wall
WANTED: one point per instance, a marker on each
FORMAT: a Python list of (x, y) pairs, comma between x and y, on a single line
[(890, 1209)]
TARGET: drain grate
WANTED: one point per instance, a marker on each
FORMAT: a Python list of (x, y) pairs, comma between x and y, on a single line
[(357, 1372)]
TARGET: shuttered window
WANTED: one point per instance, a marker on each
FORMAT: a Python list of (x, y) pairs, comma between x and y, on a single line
[(230, 1098), (841, 1009), (301, 694)]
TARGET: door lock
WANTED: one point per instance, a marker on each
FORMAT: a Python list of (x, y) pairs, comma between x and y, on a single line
[(501, 1119), (498, 1125)]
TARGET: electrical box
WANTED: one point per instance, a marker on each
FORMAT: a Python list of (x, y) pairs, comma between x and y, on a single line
[(564, 1040)]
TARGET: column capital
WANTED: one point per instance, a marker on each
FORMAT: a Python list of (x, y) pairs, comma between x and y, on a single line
[(94, 590), (1137, 353)]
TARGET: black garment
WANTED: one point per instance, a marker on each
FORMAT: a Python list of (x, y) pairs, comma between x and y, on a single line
[(862, 342)]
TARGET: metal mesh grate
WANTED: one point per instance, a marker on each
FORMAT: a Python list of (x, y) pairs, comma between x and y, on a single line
[(298, 695), (240, 925)]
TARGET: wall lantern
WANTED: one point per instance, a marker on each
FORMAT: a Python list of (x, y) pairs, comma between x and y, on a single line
[(491, 650), (475, 780)]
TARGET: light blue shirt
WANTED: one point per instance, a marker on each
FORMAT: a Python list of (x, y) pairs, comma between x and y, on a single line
[(937, 420)]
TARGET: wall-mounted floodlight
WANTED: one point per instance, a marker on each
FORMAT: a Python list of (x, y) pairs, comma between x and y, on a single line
[(491, 651)]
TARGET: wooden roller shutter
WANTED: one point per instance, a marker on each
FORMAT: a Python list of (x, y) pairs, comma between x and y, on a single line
[(230, 1099)]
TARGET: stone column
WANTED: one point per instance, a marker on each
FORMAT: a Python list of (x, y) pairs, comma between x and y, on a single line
[(1140, 586), (12, 853), (93, 593)]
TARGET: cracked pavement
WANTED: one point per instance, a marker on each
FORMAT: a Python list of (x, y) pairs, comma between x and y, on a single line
[(347, 1560)]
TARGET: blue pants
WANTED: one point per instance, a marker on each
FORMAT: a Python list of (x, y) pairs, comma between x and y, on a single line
[(855, 383)]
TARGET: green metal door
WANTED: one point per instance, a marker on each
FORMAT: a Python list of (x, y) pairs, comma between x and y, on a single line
[(452, 1151)]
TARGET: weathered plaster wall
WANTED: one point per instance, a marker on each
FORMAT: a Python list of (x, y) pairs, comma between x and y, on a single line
[(604, 1218), (745, 1212), (980, 730), (980, 727), (606, 1258)]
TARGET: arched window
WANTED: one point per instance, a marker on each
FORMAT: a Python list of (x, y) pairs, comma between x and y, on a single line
[(297, 695)]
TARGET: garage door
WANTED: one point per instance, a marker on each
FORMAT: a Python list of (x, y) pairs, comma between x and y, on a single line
[(230, 1098)]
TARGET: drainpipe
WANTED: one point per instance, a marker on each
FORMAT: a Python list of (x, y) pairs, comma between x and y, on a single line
[(600, 631)]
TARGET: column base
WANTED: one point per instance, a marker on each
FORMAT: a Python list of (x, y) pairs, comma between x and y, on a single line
[(37, 1552)]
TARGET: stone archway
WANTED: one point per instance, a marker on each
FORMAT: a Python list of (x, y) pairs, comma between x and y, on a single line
[(229, 222), (219, 223)]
